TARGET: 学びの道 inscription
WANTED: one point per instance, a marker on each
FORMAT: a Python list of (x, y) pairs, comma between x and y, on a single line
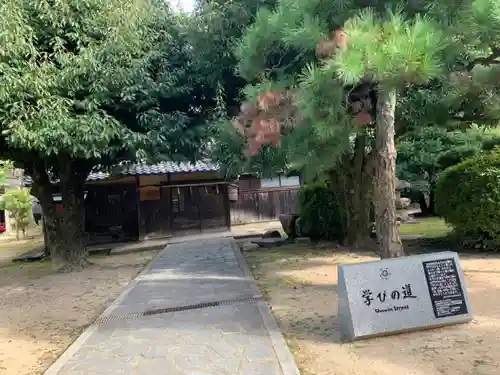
[(385, 297)]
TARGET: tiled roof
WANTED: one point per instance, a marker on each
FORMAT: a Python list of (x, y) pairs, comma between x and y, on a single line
[(155, 169), (150, 169)]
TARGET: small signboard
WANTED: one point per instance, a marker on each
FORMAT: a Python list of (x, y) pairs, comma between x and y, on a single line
[(401, 294)]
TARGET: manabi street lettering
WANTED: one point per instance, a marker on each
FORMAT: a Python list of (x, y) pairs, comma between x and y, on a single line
[(405, 293)]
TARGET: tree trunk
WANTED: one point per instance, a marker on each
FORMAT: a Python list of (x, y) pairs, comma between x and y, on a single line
[(422, 202), (358, 220), (387, 229), (354, 181), (69, 249), (432, 210), (359, 230), (42, 189), (45, 239), (64, 230), (432, 189)]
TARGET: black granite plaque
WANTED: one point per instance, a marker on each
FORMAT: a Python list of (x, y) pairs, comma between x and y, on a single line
[(445, 288)]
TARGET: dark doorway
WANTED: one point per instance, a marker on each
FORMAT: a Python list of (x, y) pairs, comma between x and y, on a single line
[(111, 212)]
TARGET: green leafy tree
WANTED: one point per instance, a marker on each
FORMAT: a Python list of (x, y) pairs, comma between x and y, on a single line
[(86, 83), (5, 169), (213, 32), (17, 202), (424, 153)]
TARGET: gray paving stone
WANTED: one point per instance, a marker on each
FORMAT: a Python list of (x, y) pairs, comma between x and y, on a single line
[(226, 340)]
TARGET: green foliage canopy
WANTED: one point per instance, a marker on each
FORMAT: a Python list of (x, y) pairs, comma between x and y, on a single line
[(91, 83), (424, 153), (85, 78), (442, 82), (5, 169), (278, 52)]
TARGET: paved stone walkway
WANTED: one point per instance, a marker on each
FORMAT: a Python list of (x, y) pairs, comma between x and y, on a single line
[(232, 339)]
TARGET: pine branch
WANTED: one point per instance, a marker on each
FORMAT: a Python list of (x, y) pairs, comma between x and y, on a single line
[(489, 60), (279, 70)]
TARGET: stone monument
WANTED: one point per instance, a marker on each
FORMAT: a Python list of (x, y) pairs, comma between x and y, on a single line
[(400, 295)]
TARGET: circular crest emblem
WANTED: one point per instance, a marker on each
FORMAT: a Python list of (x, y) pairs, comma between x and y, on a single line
[(384, 273)]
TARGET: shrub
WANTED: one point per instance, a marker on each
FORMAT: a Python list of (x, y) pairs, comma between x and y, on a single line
[(321, 215), (468, 197), (18, 203)]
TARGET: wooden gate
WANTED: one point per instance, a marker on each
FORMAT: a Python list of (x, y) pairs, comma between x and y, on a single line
[(199, 207)]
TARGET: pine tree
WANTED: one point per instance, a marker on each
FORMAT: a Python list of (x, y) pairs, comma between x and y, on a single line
[(327, 88), (318, 68), (392, 51)]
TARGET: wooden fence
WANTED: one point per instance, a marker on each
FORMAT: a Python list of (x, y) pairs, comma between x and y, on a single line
[(263, 205)]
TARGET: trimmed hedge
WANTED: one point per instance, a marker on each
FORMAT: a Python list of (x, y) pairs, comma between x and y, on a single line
[(321, 215), (468, 198)]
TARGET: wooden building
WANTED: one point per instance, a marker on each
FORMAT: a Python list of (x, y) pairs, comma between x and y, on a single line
[(140, 201), (151, 201)]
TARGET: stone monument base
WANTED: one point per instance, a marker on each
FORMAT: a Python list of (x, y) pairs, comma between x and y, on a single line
[(400, 295)]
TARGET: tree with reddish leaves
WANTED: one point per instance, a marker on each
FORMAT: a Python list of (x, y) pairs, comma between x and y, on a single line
[(260, 122)]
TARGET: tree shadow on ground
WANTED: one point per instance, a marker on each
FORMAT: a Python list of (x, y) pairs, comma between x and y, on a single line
[(41, 308)]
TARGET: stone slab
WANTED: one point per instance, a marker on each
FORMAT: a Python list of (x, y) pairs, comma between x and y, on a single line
[(248, 246), (401, 294), (272, 234), (230, 340), (192, 273), (302, 240), (30, 256), (267, 243)]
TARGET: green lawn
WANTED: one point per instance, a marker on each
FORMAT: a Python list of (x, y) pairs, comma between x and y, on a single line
[(431, 227)]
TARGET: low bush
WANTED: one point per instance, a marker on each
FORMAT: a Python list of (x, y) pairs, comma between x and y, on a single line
[(321, 215), (468, 198)]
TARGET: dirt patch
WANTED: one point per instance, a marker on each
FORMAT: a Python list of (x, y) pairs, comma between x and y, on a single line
[(41, 313), (300, 284)]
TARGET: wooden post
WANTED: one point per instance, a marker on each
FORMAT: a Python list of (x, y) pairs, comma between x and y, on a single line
[(198, 203), (227, 204), (138, 195), (170, 206)]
